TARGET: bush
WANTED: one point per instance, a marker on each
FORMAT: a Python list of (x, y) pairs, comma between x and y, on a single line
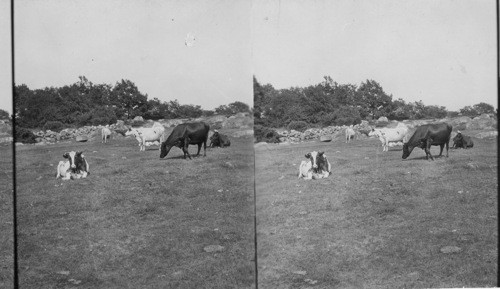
[(53, 126), (216, 125), (137, 123), (266, 134), (103, 120), (298, 125), (24, 135)]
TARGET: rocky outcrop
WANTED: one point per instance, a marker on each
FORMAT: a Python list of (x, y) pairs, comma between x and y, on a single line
[(91, 133), (483, 122)]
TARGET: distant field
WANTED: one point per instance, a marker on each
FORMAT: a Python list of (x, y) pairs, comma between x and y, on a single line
[(6, 218), (378, 221), (136, 221)]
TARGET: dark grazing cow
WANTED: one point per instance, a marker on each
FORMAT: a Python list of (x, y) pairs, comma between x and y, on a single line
[(462, 141), (218, 139), (185, 134), (427, 135)]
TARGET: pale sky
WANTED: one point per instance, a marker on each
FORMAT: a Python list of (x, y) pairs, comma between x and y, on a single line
[(443, 52), (5, 57), (143, 41)]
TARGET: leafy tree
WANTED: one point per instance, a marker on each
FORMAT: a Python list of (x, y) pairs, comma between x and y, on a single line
[(372, 99), (4, 114), (127, 98), (482, 108), (157, 109), (468, 111), (232, 108)]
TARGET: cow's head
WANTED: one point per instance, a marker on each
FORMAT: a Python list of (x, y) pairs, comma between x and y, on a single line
[(375, 132), (131, 131), (165, 148), (76, 160), (80, 161), (318, 160), (406, 150)]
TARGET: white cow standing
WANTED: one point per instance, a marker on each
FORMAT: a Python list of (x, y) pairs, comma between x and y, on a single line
[(151, 134), (388, 135), (316, 167), (349, 133), (105, 134)]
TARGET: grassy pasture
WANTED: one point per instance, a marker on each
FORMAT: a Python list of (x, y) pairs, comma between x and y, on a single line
[(378, 221), (137, 221), (6, 218)]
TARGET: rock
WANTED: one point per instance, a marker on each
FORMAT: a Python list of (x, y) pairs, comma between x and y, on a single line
[(74, 281), (325, 138), (138, 118), (81, 138), (487, 134), (63, 273), (299, 272), (213, 248), (310, 281), (260, 144), (450, 249)]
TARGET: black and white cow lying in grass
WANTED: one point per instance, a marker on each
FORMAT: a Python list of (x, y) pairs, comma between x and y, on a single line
[(74, 168), (316, 167)]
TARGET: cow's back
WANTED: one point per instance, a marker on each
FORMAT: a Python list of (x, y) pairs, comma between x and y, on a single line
[(440, 133)]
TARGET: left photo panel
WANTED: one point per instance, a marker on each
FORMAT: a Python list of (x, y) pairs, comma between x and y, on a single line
[(6, 152), (134, 144)]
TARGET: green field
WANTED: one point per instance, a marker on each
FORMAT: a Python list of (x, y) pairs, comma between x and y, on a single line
[(6, 218), (137, 221), (378, 221)]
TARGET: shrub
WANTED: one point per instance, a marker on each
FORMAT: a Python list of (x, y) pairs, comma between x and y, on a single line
[(137, 123), (103, 120), (53, 126), (298, 125), (266, 134), (216, 125), (24, 135)]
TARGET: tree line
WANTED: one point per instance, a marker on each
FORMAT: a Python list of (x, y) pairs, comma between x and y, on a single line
[(330, 103), (86, 103)]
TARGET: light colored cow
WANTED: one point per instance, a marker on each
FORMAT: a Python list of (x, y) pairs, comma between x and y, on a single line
[(388, 135), (105, 134), (75, 167), (349, 133), (151, 134), (316, 167)]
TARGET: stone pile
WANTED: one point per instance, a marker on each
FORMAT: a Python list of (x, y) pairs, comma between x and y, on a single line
[(80, 134), (329, 132), (91, 133)]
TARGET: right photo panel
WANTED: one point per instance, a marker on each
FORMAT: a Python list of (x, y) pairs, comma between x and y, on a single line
[(375, 130)]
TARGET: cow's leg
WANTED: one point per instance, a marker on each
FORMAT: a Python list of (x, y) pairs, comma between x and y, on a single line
[(199, 149), (185, 148), (441, 147), (205, 148), (447, 146), (428, 149)]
